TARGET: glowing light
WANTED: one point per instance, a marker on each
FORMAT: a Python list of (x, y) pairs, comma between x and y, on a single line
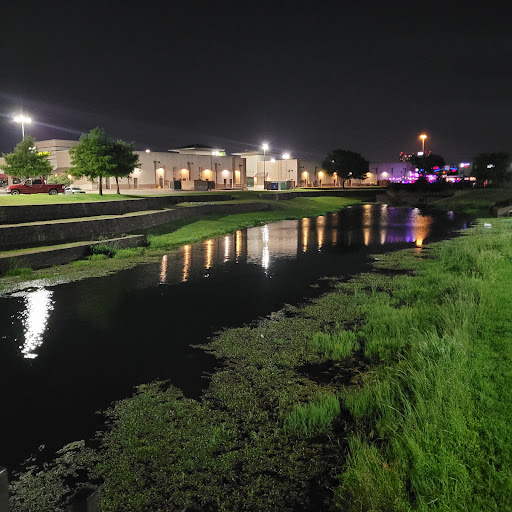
[(320, 228), (238, 243), (286, 156), (38, 305), (265, 146), (272, 160), (305, 233), (148, 151), (265, 254), (187, 257), (227, 247), (209, 253), (163, 269)]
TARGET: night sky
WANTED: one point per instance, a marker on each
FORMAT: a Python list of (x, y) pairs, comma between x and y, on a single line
[(304, 77)]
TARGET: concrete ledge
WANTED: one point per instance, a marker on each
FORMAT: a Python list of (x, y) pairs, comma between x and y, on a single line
[(502, 211), (284, 196), (17, 214), (16, 236), (61, 255)]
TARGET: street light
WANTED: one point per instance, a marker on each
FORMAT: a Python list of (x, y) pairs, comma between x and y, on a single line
[(264, 146), (21, 118), (423, 137), (286, 157)]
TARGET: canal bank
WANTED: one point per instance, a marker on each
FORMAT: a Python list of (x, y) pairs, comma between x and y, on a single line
[(383, 395), (185, 231), (273, 352)]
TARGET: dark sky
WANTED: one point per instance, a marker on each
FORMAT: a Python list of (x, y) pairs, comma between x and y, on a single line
[(306, 77)]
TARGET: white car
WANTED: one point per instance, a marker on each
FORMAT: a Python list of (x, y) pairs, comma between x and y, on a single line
[(73, 190)]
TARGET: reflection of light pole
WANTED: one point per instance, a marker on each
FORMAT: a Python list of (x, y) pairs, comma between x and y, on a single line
[(423, 137), (22, 119), (264, 146)]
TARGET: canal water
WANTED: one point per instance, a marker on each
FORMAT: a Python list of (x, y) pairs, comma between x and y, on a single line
[(68, 351)]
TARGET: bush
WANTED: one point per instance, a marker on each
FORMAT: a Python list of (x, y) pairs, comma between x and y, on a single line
[(108, 250)]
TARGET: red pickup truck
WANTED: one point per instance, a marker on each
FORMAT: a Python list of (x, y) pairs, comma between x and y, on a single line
[(35, 186)]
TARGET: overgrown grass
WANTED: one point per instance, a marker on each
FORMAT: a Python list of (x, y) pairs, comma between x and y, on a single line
[(338, 345), (479, 201), (313, 417), (23, 272)]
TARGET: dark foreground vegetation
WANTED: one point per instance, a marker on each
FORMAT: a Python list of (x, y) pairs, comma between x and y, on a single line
[(392, 392)]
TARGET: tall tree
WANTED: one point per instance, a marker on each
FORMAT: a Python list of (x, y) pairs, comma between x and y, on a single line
[(25, 161), (493, 167), (346, 164), (92, 157), (124, 159), (427, 163)]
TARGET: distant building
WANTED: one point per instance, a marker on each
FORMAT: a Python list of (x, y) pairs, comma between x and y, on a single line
[(391, 171), (160, 169)]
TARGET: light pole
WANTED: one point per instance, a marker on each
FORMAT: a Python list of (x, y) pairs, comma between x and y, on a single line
[(423, 137), (264, 146), (286, 157), (21, 118)]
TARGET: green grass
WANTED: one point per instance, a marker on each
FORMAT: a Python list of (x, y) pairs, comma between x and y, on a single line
[(314, 416), (23, 272), (479, 201), (184, 232), (338, 345), (27, 199)]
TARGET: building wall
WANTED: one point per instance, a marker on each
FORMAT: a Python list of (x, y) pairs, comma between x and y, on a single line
[(391, 171), (160, 169)]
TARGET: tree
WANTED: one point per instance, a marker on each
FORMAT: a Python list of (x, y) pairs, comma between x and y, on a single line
[(493, 167), (92, 157), (97, 156), (427, 163), (124, 159), (25, 161), (346, 164)]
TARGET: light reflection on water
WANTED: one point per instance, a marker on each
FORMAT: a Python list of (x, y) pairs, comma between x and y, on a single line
[(368, 225), (264, 245), (34, 318)]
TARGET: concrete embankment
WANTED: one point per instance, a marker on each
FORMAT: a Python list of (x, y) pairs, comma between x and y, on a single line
[(61, 254), (18, 214), (34, 234)]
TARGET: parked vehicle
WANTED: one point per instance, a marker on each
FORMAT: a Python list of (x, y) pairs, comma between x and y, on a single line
[(73, 190), (35, 186)]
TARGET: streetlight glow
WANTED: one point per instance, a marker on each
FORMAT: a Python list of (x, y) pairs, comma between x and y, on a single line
[(423, 137), (264, 146), (21, 118), (286, 156)]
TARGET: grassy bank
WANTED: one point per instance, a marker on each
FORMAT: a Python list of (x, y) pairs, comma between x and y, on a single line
[(390, 393), (171, 235), (477, 201)]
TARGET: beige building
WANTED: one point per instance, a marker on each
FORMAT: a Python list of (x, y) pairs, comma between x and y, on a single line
[(188, 165)]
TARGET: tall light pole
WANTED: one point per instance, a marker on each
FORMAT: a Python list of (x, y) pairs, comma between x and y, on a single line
[(264, 146), (423, 137), (286, 157), (21, 118)]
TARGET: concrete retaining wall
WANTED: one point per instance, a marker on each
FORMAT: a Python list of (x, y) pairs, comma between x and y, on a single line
[(14, 214), (283, 196), (502, 211), (70, 230), (62, 255)]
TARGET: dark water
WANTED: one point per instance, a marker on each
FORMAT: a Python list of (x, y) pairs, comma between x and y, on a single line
[(70, 350)]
